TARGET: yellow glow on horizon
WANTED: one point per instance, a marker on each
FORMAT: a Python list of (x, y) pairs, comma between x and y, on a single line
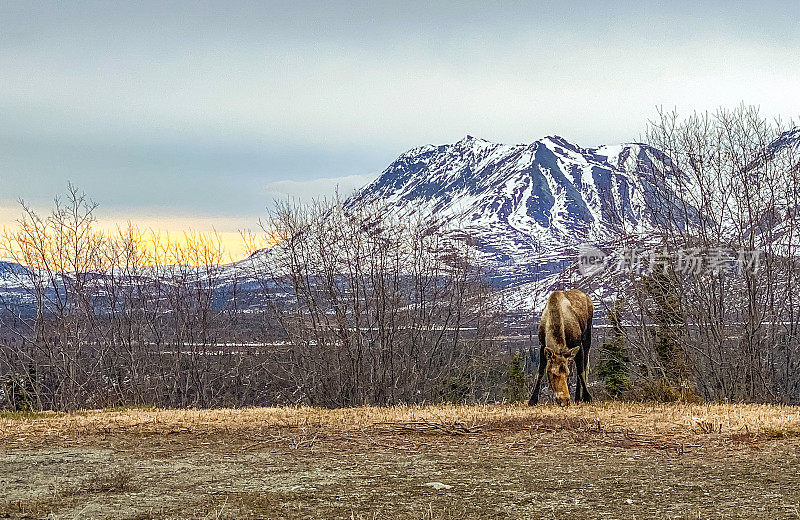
[(226, 236)]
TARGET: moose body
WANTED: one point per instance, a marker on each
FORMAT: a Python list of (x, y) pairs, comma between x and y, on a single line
[(565, 332)]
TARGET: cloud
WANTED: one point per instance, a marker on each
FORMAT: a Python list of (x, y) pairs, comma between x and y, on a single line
[(334, 76), (306, 191), (9, 213), (222, 107)]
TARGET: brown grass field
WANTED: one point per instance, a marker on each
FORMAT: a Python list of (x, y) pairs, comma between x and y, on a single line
[(604, 460)]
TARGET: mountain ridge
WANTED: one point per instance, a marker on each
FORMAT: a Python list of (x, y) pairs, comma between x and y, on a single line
[(522, 203), (526, 208)]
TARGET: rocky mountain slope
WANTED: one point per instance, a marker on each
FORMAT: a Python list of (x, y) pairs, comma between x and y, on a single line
[(527, 206)]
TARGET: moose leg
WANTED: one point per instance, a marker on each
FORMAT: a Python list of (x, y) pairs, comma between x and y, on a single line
[(542, 365), (583, 375), (579, 368)]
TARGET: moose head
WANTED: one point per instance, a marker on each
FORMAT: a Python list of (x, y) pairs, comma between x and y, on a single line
[(558, 370)]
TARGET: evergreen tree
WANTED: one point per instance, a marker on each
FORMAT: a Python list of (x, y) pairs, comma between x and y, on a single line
[(612, 367), (661, 287), (673, 383), (515, 387)]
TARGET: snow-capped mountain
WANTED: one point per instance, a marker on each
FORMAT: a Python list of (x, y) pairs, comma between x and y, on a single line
[(527, 205), (13, 284), (526, 208)]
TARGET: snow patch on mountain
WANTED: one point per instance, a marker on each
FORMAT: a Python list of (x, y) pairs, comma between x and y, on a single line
[(524, 205)]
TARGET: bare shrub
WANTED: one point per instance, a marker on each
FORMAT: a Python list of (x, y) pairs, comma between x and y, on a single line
[(727, 185), (372, 310), (347, 307)]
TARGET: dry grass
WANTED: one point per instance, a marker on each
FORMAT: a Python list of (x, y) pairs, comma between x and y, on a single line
[(605, 460), (672, 419), (117, 480)]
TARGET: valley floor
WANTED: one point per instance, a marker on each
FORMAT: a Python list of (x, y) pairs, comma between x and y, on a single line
[(605, 460)]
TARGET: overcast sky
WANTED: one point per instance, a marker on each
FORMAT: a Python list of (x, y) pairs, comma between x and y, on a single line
[(188, 113)]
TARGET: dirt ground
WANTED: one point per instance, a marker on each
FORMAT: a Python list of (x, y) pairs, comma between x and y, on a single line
[(549, 463)]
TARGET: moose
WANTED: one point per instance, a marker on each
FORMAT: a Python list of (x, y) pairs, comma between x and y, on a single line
[(565, 333)]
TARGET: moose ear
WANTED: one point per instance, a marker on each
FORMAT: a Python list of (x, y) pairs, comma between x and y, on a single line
[(573, 352)]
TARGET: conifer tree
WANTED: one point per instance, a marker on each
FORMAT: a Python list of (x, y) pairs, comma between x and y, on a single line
[(612, 367), (515, 387)]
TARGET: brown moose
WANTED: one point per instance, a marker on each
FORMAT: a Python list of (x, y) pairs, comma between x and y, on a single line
[(565, 332)]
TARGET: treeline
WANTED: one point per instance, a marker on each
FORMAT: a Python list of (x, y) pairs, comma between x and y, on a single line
[(713, 308), (350, 306), (347, 308)]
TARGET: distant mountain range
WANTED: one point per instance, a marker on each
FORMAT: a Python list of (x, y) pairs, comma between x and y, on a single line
[(525, 207)]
